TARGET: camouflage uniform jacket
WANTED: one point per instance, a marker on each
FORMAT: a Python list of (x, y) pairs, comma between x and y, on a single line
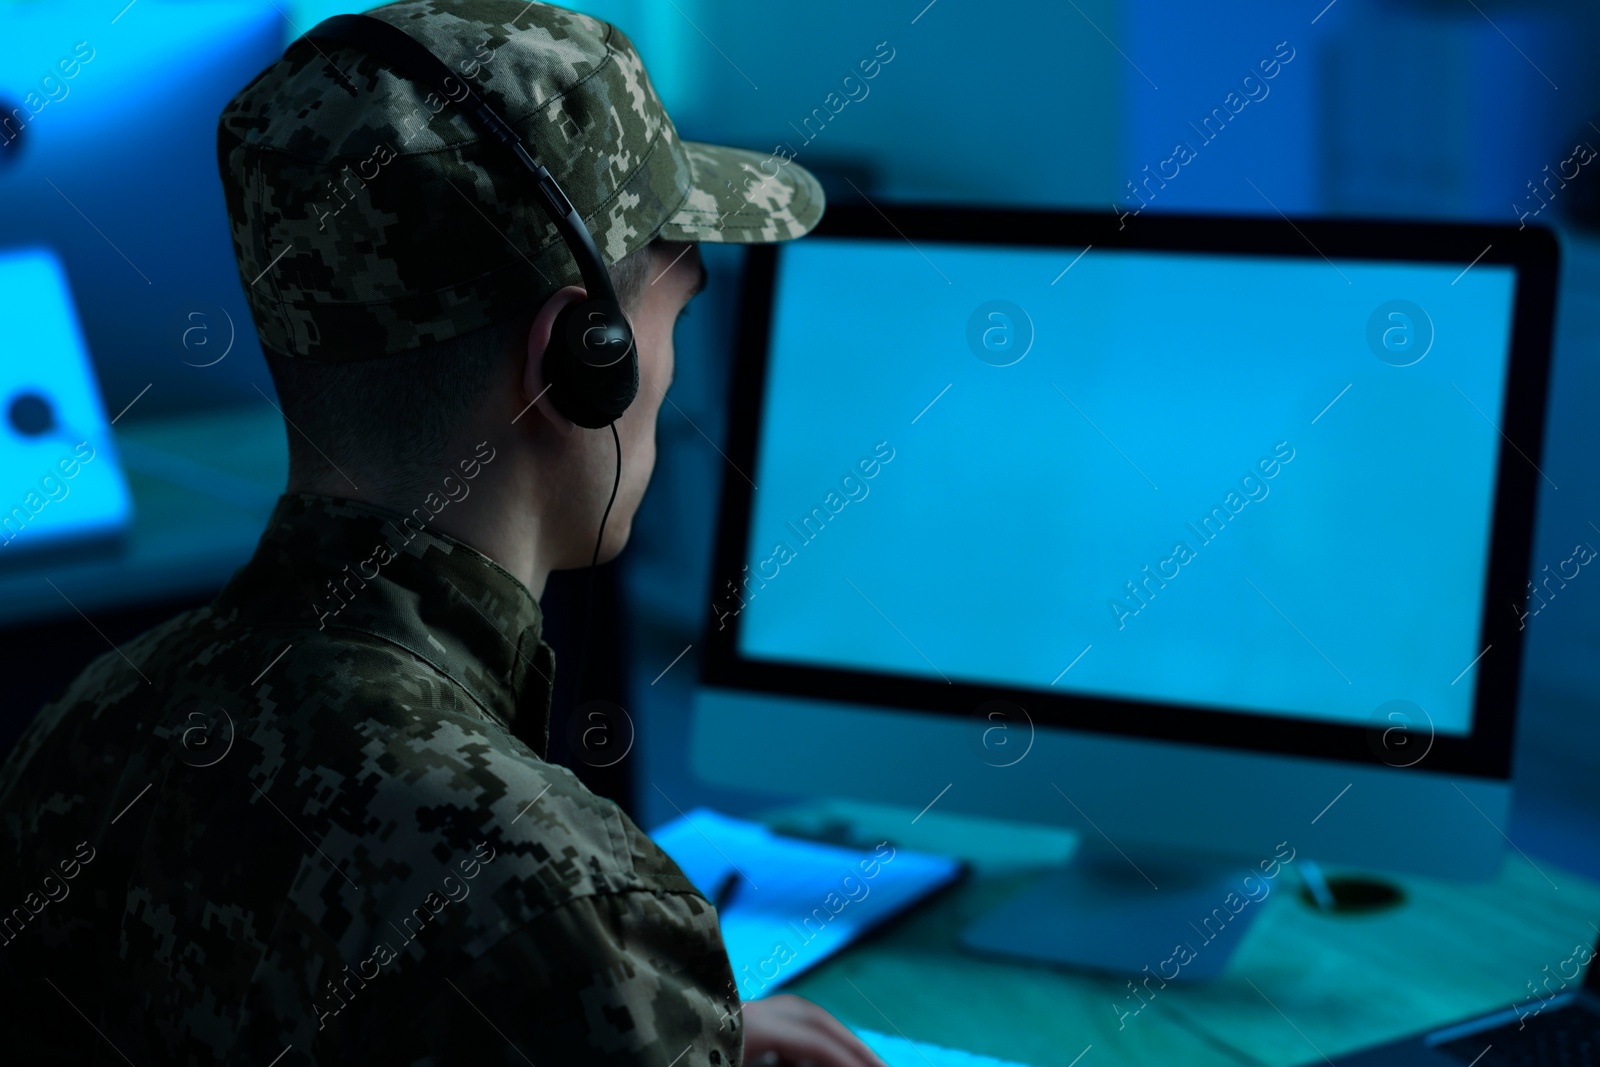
[(295, 827)]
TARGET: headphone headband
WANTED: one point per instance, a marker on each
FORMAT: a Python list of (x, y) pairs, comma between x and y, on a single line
[(591, 364), (410, 57)]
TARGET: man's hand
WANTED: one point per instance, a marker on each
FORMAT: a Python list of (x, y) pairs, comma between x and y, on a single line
[(791, 1031)]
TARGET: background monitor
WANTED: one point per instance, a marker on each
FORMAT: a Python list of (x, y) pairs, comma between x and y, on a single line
[(68, 490), (1196, 534)]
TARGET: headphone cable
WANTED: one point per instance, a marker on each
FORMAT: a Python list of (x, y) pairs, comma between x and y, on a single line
[(588, 600)]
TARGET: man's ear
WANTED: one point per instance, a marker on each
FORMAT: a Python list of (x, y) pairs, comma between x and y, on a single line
[(535, 390)]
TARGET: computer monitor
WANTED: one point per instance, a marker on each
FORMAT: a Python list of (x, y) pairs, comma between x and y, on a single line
[(66, 494), (1208, 537)]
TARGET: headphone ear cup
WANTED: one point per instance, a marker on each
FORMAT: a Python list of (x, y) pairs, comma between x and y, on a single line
[(592, 363)]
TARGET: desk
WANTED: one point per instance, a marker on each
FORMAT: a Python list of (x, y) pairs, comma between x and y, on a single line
[(202, 485), (1303, 987)]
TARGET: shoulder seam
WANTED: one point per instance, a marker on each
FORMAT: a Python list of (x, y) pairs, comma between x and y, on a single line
[(633, 890), (437, 670)]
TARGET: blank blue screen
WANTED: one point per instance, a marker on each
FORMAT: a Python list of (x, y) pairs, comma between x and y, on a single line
[(1026, 530)]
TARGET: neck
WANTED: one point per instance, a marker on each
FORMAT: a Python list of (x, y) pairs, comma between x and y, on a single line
[(495, 511)]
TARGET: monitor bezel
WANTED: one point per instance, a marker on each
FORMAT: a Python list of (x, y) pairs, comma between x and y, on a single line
[(1485, 752)]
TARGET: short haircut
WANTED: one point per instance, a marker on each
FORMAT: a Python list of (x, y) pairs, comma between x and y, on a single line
[(392, 417)]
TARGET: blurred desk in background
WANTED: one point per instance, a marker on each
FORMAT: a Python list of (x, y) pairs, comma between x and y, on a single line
[(203, 486), (1302, 987)]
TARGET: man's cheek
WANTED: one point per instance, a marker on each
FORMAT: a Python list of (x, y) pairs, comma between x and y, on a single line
[(644, 452), (658, 368)]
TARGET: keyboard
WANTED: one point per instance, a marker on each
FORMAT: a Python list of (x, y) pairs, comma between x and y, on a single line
[(1568, 1036)]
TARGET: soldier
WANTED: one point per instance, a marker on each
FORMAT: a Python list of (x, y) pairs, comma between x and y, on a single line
[(313, 822)]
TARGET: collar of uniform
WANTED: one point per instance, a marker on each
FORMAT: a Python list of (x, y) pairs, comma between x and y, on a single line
[(334, 564)]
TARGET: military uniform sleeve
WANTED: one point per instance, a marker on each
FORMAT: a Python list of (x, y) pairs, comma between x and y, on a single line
[(638, 977)]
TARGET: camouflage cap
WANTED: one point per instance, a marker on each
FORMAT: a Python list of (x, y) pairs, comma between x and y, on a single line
[(369, 217)]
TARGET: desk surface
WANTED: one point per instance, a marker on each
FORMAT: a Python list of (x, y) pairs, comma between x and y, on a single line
[(203, 486), (1303, 986)]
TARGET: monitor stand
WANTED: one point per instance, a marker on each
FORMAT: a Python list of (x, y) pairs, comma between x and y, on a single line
[(1164, 916)]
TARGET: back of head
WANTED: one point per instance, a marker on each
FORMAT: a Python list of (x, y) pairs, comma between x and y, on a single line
[(391, 253)]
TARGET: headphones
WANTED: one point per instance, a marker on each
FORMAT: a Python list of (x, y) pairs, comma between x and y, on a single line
[(591, 366)]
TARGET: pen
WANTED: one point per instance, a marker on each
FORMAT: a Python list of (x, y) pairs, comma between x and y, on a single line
[(1316, 885)]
